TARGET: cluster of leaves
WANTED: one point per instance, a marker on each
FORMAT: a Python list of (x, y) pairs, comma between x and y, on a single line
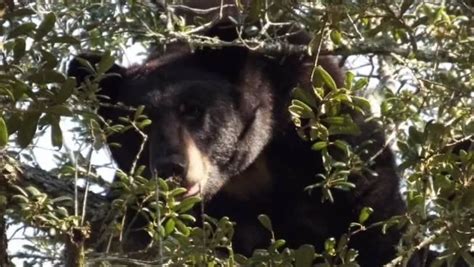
[(429, 115), (320, 116)]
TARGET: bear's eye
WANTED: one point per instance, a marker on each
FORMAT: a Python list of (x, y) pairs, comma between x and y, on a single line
[(190, 111)]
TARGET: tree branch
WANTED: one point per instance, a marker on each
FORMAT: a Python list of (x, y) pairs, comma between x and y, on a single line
[(273, 48), (4, 261), (14, 173)]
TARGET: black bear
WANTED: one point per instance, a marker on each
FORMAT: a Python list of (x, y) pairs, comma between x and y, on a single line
[(221, 124)]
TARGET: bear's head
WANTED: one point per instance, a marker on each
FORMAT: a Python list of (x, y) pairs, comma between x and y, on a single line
[(212, 111)]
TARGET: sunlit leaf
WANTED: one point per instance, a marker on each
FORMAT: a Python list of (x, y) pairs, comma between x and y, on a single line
[(187, 204), (326, 77), (319, 145), (336, 37), (360, 84), (365, 214), (3, 133), (106, 62), (329, 246), (348, 80), (170, 225)]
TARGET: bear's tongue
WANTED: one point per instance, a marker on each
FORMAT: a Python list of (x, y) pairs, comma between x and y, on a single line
[(193, 189)]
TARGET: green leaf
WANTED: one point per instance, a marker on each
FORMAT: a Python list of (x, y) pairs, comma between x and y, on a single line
[(326, 77), (265, 221), (348, 80), (182, 228), (33, 190), (20, 199), (351, 255), (163, 185), (19, 49), (187, 217), (342, 96), (300, 109), (3, 202), (305, 97), (49, 59), (46, 26), (365, 214), (336, 37), (242, 260), (342, 244), (61, 211), (319, 145), (14, 122), (47, 76), (65, 91), (329, 246), (361, 83), (187, 204), (62, 199), (170, 225), (138, 112), (20, 190), (23, 29), (106, 62), (344, 185), (144, 123), (318, 93), (361, 102), (348, 128), (318, 132), (3, 133), (304, 256), (342, 145), (177, 191), (86, 65), (335, 120), (277, 244), (20, 89), (56, 133), (415, 135), (27, 130)]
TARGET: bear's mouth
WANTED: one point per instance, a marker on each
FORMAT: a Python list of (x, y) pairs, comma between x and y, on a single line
[(193, 189)]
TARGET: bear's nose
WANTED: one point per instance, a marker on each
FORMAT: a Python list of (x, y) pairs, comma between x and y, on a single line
[(171, 166)]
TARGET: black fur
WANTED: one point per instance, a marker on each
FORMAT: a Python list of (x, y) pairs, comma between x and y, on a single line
[(232, 104)]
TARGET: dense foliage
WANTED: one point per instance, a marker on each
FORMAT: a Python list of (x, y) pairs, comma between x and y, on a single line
[(411, 65)]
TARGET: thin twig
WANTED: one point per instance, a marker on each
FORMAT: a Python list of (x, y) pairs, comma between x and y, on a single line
[(426, 242), (140, 150), (86, 189), (199, 11)]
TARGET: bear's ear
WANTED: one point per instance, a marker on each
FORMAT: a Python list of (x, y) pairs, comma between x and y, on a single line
[(85, 66)]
